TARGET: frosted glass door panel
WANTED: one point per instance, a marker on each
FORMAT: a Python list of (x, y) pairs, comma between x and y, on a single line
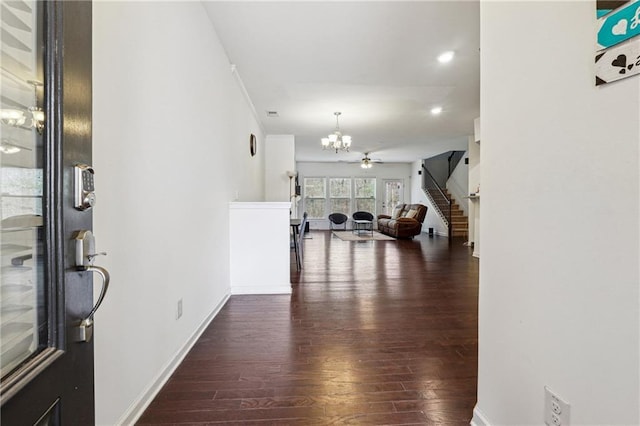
[(23, 328)]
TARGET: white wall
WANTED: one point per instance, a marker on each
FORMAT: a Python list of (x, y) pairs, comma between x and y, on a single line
[(381, 172), (280, 159), (171, 149), (559, 279)]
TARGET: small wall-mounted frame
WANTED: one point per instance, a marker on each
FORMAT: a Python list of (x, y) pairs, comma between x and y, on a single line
[(252, 144)]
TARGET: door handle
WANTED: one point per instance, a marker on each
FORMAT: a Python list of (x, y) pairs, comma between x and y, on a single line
[(85, 254), (85, 329)]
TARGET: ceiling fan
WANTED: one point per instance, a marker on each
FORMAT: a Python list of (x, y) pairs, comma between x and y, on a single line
[(367, 163)]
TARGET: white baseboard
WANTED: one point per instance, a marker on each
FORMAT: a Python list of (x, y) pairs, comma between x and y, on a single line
[(250, 289), (476, 254), (136, 409), (479, 419)]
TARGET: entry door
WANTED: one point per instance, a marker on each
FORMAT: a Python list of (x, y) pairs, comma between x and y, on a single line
[(47, 374), (393, 194)]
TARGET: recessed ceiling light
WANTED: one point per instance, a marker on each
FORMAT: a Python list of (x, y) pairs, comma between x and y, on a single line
[(446, 57), (436, 110)]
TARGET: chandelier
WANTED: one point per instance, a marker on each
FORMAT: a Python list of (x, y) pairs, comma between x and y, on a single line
[(337, 140)]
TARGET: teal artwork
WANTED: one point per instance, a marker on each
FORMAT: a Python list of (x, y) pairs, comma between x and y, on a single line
[(621, 25)]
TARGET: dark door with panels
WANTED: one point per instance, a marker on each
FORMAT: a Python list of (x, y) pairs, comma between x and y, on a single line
[(47, 358)]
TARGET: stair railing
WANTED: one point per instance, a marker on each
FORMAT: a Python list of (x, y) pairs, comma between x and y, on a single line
[(430, 184)]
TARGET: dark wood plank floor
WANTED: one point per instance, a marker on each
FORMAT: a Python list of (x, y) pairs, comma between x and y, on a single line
[(377, 332)]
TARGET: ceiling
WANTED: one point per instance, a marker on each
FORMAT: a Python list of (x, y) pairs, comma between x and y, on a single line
[(376, 62)]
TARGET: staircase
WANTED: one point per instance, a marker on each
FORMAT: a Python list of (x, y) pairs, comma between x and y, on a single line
[(436, 171), (459, 222)]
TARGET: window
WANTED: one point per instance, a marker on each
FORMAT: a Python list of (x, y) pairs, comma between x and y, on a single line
[(340, 195), (345, 195), (315, 197), (365, 194)]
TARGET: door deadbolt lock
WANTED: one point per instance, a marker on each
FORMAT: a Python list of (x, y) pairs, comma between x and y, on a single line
[(85, 196)]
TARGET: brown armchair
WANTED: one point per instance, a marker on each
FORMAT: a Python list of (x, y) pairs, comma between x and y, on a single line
[(405, 222)]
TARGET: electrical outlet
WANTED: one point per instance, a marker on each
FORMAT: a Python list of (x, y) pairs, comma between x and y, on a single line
[(179, 309), (556, 411)]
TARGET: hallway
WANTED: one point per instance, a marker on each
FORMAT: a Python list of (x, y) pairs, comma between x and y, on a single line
[(381, 332)]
